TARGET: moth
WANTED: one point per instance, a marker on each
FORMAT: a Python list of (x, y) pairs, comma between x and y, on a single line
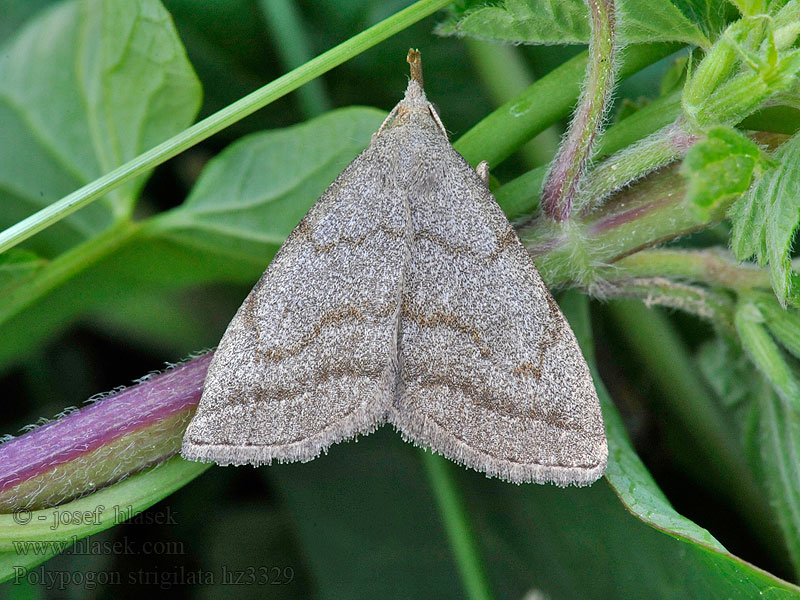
[(404, 296)]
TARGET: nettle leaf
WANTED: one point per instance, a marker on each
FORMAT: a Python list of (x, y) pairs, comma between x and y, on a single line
[(250, 197), (567, 21), (776, 5), (719, 168), (783, 323), (766, 218), (85, 87), (711, 16)]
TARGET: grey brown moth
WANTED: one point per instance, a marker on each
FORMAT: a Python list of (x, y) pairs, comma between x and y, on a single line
[(404, 295)]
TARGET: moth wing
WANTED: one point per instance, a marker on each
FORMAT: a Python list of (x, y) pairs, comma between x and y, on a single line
[(310, 357), (491, 374)]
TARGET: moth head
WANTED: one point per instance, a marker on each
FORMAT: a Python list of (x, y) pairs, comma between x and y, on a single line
[(415, 94)]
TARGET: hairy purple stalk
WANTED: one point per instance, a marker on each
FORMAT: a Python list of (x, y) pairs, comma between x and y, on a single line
[(104, 442), (566, 172)]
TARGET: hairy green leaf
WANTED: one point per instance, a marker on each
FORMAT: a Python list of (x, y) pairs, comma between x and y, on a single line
[(783, 323), (765, 353), (719, 168), (567, 22), (85, 87), (766, 217)]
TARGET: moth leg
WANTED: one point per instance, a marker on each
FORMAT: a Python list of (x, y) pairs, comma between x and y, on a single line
[(483, 171)]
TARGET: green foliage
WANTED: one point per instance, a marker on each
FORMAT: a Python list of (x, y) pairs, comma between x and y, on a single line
[(17, 266), (778, 410), (123, 83), (135, 494), (87, 86), (720, 168), (250, 197), (765, 219), (565, 21)]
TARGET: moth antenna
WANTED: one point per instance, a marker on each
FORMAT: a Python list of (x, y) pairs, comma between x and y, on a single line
[(414, 59)]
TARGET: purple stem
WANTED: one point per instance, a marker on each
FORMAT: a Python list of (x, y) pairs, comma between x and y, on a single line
[(568, 168), (144, 405)]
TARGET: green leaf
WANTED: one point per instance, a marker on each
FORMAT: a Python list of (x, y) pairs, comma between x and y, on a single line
[(626, 473), (766, 218), (711, 16), (85, 87), (16, 267), (369, 504), (783, 323), (133, 494), (719, 168), (727, 371), (765, 353), (245, 203), (779, 437), (250, 197), (675, 76), (567, 22)]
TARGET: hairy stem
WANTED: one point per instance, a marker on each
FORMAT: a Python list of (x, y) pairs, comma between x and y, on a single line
[(660, 291), (714, 267), (549, 99), (102, 443), (520, 197), (639, 217), (635, 161), (570, 163)]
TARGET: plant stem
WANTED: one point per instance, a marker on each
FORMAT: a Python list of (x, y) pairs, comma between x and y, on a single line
[(570, 163), (505, 76), (102, 443), (293, 45), (649, 213), (520, 196), (66, 266), (218, 121), (549, 99), (635, 161), (660, 291), (456, 523), (712, 267)]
